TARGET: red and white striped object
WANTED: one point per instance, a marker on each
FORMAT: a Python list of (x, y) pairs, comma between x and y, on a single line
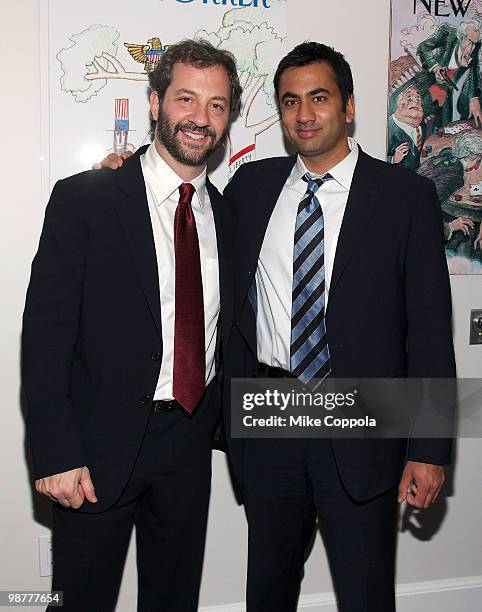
[(122, 108)]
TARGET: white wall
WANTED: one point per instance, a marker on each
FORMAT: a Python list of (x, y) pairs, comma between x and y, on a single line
[(434, 568)]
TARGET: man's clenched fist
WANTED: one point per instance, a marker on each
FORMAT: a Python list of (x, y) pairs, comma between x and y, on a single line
[(68, 488)]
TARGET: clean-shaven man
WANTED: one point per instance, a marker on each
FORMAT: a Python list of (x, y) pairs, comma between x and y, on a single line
[(406, 130), (128, 305), (339, 261)]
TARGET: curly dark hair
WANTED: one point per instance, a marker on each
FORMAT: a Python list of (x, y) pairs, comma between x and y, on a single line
[(310, 52), (198, 53)]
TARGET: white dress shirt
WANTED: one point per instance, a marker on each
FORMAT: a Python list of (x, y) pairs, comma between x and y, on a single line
[(274, 274), (163, 197)]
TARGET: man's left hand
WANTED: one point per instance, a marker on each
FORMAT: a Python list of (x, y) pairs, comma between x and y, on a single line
[(474, 111), (112, 161), (420, 483)]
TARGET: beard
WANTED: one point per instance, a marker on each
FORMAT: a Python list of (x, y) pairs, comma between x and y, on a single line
[(183, 152)]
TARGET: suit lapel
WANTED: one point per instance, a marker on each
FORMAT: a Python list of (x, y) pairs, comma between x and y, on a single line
[(133, 212), (226, 275), (362, 201), (254, 216)]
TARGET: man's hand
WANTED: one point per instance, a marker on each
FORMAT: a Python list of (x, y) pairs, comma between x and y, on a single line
[(462, 224), (440, 74), (112, 161), (474, 111), (68, 488), (401, 152), (420, 483)]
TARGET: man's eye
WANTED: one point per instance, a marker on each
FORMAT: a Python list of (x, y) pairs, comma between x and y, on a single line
[(319, 98), (185, 99), (290, 102), (218, 107)]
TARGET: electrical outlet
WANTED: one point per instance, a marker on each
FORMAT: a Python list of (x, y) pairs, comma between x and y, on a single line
[(476, 327), (45, 554)]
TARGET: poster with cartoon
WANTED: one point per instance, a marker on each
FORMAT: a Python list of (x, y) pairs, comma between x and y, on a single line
[(95, 61), (435, 116)]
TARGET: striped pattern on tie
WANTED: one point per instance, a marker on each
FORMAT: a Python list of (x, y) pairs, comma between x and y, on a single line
[(309, 354)]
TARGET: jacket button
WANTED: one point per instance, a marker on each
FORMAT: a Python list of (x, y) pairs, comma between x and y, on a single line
[(155, 356), (145, 399)]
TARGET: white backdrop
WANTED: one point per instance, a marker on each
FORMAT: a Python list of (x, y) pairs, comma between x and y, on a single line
[(439, 562), (87, 66)]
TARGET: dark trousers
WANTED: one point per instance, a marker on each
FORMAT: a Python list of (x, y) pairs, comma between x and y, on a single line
[(288, 484), (167, 500)]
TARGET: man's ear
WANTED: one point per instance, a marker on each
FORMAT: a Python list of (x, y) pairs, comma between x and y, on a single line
[(154, 103), (350, 109)]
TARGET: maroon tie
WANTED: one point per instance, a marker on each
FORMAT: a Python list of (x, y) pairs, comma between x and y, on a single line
[(189, 353)]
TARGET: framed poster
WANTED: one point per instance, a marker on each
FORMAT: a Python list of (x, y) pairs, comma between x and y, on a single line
[(434, 113), (96, 57)]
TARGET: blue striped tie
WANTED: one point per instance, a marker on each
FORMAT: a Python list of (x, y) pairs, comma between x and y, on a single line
[(309, 354)]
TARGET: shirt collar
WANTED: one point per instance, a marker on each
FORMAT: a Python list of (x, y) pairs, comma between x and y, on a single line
[(164, 182), (342, 172)]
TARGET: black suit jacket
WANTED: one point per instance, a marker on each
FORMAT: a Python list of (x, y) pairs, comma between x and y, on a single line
[(92, 343), (389, 312)]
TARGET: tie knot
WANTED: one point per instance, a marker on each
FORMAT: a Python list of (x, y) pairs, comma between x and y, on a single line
[(314, 183), (186, 191)]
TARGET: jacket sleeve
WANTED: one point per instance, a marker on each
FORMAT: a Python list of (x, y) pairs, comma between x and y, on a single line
[(50, 330), (395, 139), (430, 353), (474, 76), (434, 43)]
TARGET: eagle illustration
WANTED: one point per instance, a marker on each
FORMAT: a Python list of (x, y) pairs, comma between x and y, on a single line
[(148, 54)]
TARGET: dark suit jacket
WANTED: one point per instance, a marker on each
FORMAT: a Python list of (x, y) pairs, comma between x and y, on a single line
[(389, 312), (92, 343)]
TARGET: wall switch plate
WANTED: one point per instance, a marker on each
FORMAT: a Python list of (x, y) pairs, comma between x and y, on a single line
[(476, 327), (45, 554)]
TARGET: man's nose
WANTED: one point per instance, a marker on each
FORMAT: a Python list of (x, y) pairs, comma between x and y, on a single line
[(305, 112), (200, 116)]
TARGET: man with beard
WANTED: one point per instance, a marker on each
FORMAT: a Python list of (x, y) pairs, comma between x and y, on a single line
[(121, 327), (450, 81), (406, 133)]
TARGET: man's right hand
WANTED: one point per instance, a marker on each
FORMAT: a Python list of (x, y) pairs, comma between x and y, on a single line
[(68, 488), (112, 161), (401, 152), (440, 75), (462, 224)]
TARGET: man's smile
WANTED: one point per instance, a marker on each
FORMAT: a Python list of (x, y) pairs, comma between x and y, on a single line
[(194, 135), (307, 132)]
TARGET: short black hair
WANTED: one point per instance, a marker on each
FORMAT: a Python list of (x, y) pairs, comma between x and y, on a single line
[(311, 52), (198, 53)]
